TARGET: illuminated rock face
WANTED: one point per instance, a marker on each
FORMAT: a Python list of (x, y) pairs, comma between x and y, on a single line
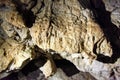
[(75, 30)]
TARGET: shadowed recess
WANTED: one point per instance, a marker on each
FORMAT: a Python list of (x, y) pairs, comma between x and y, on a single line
[(12, 76), (111, 32), (68, 67), (27, 15)]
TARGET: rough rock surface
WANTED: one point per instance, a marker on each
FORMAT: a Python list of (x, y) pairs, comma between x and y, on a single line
[(14, 56), (60, 75), (74, 30), (113, 6), (115, 17)]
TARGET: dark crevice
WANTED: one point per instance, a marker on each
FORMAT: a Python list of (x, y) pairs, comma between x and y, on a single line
[(12, 76), (35, 64), (95, 45), (64, 64), (34, 3), (30, 69), (111, 32), (42, 6), (85, 4), (68, 67), (31, 66), (27, 15), (112, 73)]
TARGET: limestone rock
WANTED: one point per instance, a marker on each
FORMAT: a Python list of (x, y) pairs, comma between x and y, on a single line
[(14, 55), (76, 32), (14, 18), (115, 17), (49, 67), (60, 75), (62, 27), (111, 5)]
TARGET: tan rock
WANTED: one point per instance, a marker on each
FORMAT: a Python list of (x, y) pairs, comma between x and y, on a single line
[(8, 12), (14, 18), (14, 55), (69, 29), (61, 27), (49, 68)]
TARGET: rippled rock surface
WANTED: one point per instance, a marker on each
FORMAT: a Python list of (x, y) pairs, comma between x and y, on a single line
[(84, 32)]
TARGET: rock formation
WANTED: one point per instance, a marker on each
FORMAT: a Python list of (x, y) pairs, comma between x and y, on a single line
[(84, 32), (113, 6)]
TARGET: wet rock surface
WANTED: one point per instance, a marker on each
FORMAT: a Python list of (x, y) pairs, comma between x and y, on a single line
[(36, 34)]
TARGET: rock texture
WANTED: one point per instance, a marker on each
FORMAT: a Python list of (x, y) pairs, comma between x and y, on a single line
[(113, 6), (60, 75), (13, 55), (76, 30)]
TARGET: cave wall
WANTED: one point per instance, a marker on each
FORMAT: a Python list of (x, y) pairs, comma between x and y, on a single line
[(84, 32)]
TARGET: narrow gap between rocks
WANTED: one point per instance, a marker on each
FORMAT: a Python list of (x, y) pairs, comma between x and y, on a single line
[(27, 15), (68, 67)]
